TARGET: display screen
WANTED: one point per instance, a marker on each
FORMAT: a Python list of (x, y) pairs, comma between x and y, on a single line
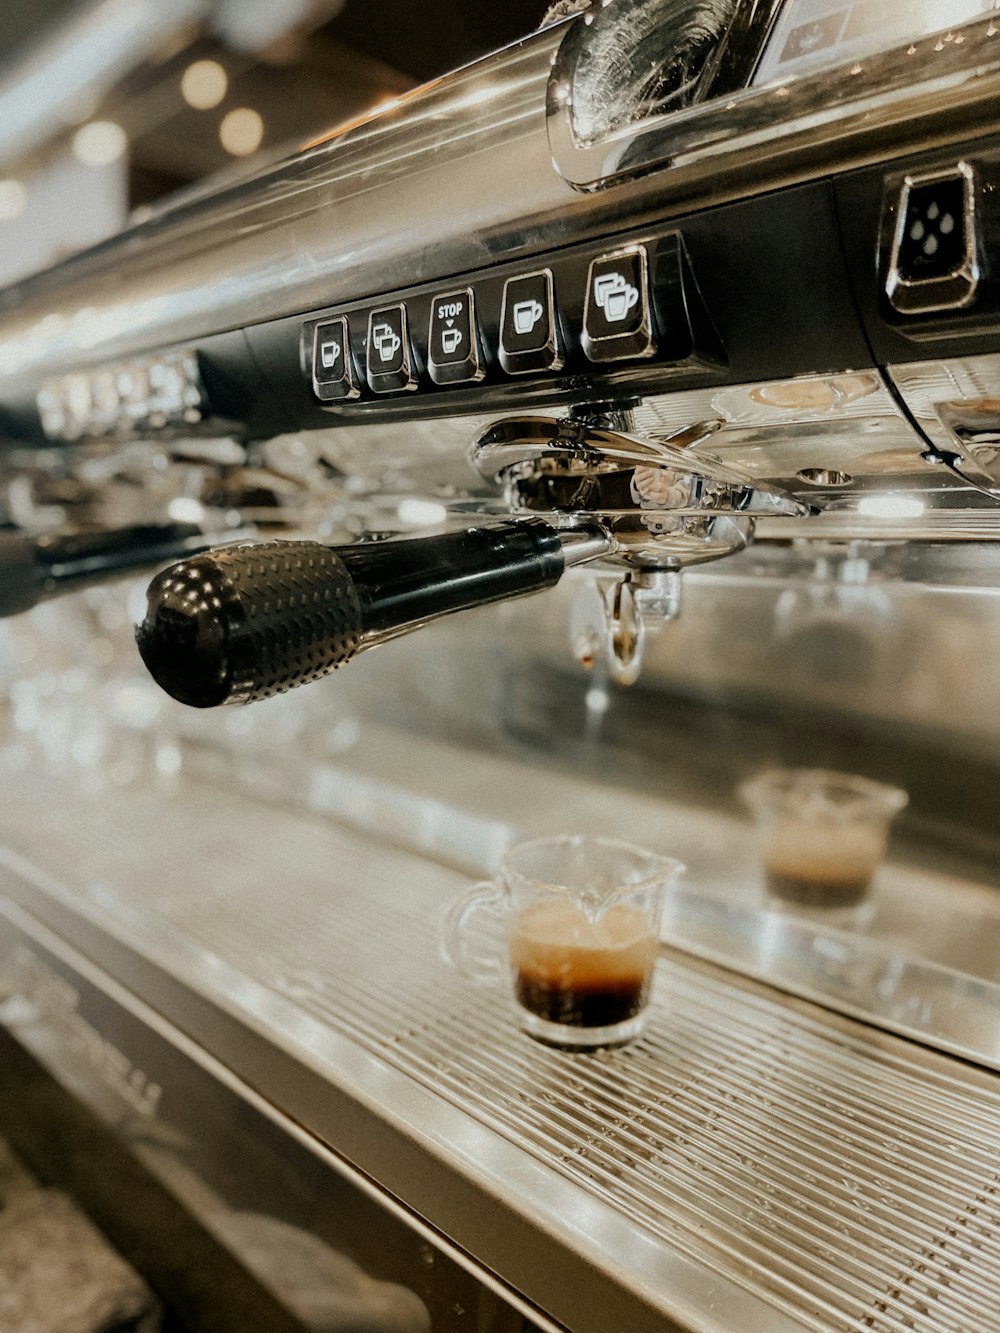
[(811, 34)]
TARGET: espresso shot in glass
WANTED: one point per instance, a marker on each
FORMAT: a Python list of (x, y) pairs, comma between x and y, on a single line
[(581, 922), (822, 835)]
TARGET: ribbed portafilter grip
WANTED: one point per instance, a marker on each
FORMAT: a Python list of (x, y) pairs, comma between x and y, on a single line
[(247, 622)]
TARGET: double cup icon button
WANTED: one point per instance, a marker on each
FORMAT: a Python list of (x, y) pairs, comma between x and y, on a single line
[(617, 317), (615, 295), (387, 343), (389, 364)]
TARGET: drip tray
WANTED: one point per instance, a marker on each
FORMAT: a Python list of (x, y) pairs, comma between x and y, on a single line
[(753, 1162)]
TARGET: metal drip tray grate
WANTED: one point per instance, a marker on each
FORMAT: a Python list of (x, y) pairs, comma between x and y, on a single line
[(836, 1180), (847, 1178), (850, 1179)]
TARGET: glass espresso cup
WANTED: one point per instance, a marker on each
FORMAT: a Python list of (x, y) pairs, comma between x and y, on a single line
[(822, 835), (581, 921)]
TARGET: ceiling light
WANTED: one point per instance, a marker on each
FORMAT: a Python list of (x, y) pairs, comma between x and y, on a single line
[(99, 143), (13, 199), (204, 84), (241, 131)]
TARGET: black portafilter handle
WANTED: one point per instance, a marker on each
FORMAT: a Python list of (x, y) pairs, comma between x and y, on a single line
[(246, 622), (33, 569)]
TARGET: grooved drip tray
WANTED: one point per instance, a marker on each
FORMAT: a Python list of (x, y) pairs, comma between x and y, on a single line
[(753, 1163)]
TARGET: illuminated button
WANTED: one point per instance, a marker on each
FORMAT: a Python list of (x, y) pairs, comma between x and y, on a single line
[(389, 361), (332, 363), (453, 338), (529, 338), (935, 261), (617, 322)]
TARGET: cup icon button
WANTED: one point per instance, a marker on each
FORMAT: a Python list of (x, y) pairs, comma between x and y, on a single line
[(451, 340), (526, 315), (387, 342), (329, 354), (529, 333), (618, 317), (332, 368)]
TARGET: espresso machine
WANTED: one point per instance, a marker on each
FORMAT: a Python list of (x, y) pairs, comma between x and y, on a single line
[(680, 316)]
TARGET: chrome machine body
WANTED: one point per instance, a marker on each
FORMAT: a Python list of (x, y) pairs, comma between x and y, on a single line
[(733, 325)]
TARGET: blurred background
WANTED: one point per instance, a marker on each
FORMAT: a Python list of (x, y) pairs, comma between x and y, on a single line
[(108, 108)]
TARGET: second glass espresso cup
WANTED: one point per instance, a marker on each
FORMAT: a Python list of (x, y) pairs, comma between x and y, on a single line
[(581, 921), (823, 835)]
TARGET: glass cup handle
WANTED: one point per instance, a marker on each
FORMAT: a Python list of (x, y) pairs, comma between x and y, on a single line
[(478, 966)]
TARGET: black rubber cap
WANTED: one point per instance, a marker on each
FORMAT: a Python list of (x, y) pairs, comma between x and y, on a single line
[(247, 622)]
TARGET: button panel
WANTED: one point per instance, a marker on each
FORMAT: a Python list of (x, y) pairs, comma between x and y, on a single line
[(529, 337), (333, 365), (588, 312), (453, 339), (389, 360), (617, 319)]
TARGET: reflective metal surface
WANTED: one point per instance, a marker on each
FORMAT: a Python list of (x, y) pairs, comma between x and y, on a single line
[(310, 231), (313, 230), (750, 1163), (871, 106), (318, 1243), (807, 1138), (664, 505), (957, 406)]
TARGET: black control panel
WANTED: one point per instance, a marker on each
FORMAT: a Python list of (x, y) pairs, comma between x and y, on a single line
[(739, 293), (748, 291), (588, 311)]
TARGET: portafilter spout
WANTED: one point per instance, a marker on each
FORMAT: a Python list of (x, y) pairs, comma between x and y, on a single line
[(664, 506)]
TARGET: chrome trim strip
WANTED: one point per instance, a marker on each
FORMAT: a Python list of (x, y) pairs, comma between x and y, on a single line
[(868, 104)]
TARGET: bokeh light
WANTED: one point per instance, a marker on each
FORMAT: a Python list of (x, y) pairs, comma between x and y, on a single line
[(99, 143), (241, 131), (204, 84)]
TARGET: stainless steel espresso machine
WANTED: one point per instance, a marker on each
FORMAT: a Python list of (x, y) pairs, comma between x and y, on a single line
[(680, 314)]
